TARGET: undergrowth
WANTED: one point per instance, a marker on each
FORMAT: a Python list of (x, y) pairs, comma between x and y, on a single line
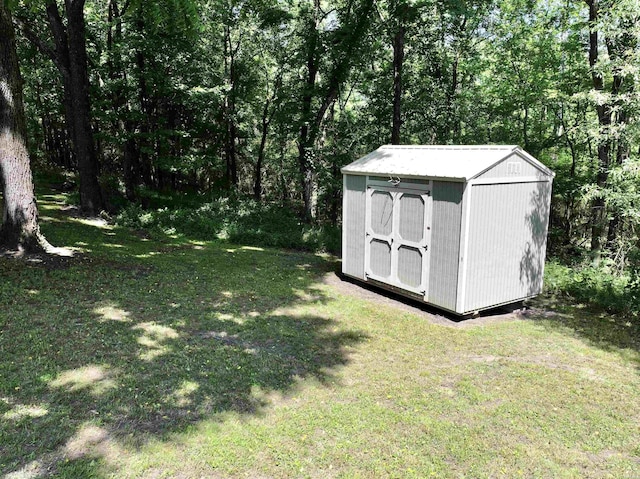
[(597, 286), (239, 220)]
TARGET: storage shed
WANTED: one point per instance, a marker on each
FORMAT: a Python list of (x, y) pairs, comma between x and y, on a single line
[(463, 228)]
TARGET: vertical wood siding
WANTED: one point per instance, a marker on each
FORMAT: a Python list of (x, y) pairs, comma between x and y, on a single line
[(507, 242), (445, 244), (353, 225)]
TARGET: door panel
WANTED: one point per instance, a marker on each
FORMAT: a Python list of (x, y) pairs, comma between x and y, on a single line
[(411, 217), (381, 212), (410, 266), (380, 258), (398, 225)]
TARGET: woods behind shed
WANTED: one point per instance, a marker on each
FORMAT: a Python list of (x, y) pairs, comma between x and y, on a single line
[(461, 227)]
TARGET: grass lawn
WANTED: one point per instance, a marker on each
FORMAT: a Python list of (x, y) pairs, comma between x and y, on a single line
[(154, 357)]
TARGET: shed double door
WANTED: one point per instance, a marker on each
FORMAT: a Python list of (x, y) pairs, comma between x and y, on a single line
[(398, 228)]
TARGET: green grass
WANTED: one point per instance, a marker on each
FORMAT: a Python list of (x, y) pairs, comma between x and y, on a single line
[(158, 356)]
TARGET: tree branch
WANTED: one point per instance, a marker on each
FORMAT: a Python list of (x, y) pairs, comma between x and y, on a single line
[(35, 40), (59, 34)]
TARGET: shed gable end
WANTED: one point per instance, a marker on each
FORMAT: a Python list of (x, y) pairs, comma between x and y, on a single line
[(514, 166)]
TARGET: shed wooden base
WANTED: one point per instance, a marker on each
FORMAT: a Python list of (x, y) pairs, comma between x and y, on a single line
[(373, 284)]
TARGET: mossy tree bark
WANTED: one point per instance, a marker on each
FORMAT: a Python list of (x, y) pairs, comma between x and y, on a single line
[(19, 230)]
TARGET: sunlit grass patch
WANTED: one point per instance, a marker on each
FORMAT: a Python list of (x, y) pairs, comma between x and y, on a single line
[(94, 378)]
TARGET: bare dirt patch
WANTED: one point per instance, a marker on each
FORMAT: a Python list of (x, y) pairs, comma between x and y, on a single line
[(366, 292), (45, 260)]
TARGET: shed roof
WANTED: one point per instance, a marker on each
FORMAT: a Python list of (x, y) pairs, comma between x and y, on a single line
[(462, 162)]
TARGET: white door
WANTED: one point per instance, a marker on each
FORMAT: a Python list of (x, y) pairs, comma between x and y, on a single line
[(398, 230)]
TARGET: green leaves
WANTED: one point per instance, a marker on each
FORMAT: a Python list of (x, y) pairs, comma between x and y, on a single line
[(10, 4)]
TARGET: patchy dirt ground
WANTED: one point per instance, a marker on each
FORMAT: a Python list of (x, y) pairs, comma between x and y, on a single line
[(377, 295)]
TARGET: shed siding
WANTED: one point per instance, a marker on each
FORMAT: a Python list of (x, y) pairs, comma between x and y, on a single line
[(445, 243), (507, 242), (353, 226), (514, 166)]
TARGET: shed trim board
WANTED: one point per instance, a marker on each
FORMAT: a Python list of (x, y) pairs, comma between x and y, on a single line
[(464, 247), (507, 179), (521, 154), (411, 224), (345, 220)]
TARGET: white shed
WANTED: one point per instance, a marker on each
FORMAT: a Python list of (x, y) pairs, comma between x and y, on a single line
[(463, 228)]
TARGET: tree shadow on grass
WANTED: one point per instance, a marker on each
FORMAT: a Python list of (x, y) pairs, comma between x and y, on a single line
[(144, 339), (609, 332), (606, 331)]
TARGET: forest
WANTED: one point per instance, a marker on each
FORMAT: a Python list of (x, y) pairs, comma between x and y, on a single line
[(232, 118), (171, 231)]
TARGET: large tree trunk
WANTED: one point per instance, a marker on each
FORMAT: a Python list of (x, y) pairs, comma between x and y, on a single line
[(70, 57), (90, 194), (20, 230), (310, 119), (267, 115), (307, 137)]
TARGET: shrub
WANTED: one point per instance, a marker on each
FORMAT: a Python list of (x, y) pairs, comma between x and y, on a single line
[(239, 220), (600, 286)]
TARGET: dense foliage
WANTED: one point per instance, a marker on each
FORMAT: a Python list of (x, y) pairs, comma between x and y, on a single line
[(269, 98)]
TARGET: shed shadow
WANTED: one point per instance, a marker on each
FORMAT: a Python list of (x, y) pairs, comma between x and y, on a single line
[(432, 313), (611, 333)]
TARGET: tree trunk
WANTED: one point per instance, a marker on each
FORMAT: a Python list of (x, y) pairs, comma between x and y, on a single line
[(145, 106), (310, 121), (398, 60), (20, 230), (124, 124), (598, 214), (70, 57), (622, 83), (307, 138), (231, 136), (91, 200), (257, 186)]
